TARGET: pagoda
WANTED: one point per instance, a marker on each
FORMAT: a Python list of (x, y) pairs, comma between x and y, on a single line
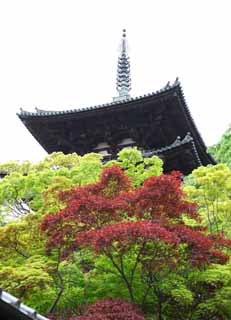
[(11, 308), (158, 123)]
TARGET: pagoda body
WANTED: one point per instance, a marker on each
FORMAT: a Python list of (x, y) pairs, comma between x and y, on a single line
[(158, 123)]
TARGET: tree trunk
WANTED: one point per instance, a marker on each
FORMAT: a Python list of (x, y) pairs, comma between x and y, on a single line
[(159, 310), (61, 289)]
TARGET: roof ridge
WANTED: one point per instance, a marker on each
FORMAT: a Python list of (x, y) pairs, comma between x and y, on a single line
[(177, 143), (41, 112)]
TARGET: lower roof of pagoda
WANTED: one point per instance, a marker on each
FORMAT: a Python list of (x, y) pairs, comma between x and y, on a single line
[(11, 308), (152, 121)]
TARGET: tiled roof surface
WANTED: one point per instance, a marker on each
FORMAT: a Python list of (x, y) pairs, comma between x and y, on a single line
[(45, 113), (177, 143), (173, 91), (21, 309)]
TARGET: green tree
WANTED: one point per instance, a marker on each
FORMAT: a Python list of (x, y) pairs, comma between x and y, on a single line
[(137, 168), (25, 270), (222, 150), (26, 193), (139, 238), (210, 188), (22, 189)]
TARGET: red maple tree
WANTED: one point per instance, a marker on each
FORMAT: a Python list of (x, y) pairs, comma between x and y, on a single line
[(111, 309), (115, 219)]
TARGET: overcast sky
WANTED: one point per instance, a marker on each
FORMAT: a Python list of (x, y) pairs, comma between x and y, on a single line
[(62, 54)]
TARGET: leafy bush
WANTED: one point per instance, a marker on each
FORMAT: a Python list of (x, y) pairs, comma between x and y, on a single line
[(112, 309)]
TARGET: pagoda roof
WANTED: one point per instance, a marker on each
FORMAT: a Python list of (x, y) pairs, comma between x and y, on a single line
[(3, 173), (177, 143), (159, 122), (12, 308), (50, 113)]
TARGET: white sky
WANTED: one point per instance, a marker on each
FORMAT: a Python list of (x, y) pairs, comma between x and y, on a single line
[(62, 54)]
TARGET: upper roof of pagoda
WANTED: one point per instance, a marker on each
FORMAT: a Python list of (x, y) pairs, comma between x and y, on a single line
[(121, 103), (157, 122), (170, 88)]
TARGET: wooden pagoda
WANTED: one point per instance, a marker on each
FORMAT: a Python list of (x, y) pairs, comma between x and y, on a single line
[(158, 123)]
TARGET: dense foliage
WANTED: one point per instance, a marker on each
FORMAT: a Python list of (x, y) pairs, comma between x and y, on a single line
[(26, 193), (111, 309), (30, 187), (99, 241), (211, 188), (222, 150), (136, 167), (142, 237)]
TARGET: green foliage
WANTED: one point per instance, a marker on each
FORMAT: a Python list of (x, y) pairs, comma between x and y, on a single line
[(175, 286), (26, 278), (25, 270), (27, 193), (214, 288), (31, 190), (74, 290), (23, 188), (150, 257), (222, 150), (13, 166), (21, 238), (210, 188), (136, 167)]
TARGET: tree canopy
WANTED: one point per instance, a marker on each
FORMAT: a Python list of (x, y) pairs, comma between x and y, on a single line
[(142, 235), (82, 239), (222, 150), (210, 188)]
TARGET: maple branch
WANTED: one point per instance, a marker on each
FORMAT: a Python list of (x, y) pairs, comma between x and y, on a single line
[(208, 215), (61, 284), (145, 295), (24, 255), (106, 270), (121, 272), (137, 261)]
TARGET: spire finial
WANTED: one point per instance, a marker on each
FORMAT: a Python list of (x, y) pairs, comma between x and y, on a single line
[(124, 33), (124, 44), (123, 83)]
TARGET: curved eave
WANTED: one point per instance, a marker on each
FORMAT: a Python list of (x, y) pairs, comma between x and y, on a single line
[(23, 115), (3, 173), (195, 132), (30, 118), (12, 308)]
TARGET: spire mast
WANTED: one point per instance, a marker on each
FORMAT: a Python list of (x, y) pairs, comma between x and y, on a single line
[(123, 80)]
